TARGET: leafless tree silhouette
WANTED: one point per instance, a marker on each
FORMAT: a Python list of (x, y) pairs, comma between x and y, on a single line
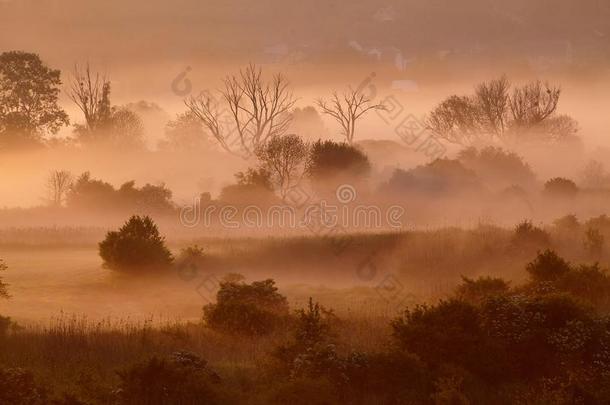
[(91, 93), (492, 100), (494, 111), (58, 185), (248, 112), (347, 109), (533, 103)]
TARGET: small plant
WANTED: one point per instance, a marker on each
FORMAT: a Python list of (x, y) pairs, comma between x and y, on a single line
[(248, 309), (190, 262), (137, 245)]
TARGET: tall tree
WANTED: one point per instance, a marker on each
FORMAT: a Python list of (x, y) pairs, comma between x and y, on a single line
[(347, 109), (249, 111), (91, 94), (59, 183), (29, 92), (285, 157)]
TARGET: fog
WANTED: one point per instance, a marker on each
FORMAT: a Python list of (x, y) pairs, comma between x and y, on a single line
[(219, 179)]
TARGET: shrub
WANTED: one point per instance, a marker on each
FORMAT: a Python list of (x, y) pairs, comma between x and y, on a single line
[(3, 286), (441, 176), (560, 188), (527, 238), (184, 378), (330, 159), (481, 289), (547, 266), (449, 333), (496, 167), (248, 309), (312, 338), (190, 262), (568, 223), (18, 387), (594, 242), (137, 245)]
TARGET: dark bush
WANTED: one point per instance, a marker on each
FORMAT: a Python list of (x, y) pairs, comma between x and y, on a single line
[(18, 387), (481, 289), (547, 266), (330, 160), (190, 262), (528, 238), (183, 379), (3, 286), (497, 168), (136, 246), (559, 187), (450, 333), (248, 309), (442, 176)]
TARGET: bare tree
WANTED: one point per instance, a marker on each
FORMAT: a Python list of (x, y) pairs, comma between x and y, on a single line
[(248, 112), (347, 109), (531, 104), (492, 100), (59, 183), (456, 120), (496, 112), (285, 157), (91, 93)]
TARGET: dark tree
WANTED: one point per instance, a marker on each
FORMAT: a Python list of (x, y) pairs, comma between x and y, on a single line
[(29, 93), (330, 159), (285, 157), (185, 133), (560, 187), (137, 245), (249, 309)]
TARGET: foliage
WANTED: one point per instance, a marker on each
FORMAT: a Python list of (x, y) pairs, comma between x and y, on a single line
[(184, 378), (594, 242), (560, 188), (3, 286), (547, 266), (17, 387), (185, 133), (497, 167), (528, 112), (330, 159), (568, 223), (247, 309), (89, 193), (481, 289), (529, 238), (441, 176), (284, 157), (190, 262), (254, 185), (29, 92), (137, 245)]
